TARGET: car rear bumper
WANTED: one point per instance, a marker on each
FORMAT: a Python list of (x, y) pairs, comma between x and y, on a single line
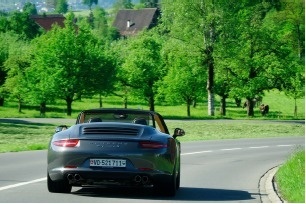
[(88, 177)]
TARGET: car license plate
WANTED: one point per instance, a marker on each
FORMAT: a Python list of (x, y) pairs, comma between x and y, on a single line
[(108, 162)]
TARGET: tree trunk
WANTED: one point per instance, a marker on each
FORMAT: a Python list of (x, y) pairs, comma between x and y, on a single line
[(238, 102), (295, 108), (100, 100), (210, 81), (1, 101), (151, 102), (223, 106), (19, 105), (250, 107), (69, 105), (125, 100), (42, 108), (189, 102), (211, 104), (188, 110), (194, 103)]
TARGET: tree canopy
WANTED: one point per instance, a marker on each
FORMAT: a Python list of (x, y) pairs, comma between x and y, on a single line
[(141, 67), (73, 62), (199, 49)]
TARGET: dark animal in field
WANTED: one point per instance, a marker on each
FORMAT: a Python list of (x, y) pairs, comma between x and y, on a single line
[(264, 109)]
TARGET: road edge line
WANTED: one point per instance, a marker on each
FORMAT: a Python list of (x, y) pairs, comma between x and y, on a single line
[(22, 184)]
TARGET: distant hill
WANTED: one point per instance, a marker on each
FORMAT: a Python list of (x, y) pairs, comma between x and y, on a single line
[(109, 3), (9, 5)]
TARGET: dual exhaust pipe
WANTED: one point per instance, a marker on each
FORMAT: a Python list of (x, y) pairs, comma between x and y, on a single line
[(73, 177), (137, 179), (141, 179)]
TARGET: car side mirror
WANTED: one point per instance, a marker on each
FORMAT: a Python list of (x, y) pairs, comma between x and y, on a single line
[(60, 128), (178, 132)]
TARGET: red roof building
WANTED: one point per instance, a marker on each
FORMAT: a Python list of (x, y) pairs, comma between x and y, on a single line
[(47, 21)]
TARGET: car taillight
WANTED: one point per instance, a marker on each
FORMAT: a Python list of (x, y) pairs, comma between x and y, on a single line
[(152, 145), (67, 143)]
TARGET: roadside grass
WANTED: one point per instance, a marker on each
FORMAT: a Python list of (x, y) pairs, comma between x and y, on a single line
[(23, 136), (234, 129), (281, 108), (290, 178)]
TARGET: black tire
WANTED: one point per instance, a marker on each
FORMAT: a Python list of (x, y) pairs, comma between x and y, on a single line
[(167, 188), (178, 180), (178, 177), (171, 187), (58, 186)]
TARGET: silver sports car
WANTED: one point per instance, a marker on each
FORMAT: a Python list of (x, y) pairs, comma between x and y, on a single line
[(115, 147)]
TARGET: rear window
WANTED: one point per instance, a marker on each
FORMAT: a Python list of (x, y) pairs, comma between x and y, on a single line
[(144, 119)]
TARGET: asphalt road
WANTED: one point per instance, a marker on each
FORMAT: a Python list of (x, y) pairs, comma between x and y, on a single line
[(212, 171)]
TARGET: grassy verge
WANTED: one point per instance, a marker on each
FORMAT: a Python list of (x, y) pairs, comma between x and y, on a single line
[(290, 178), (23, 135), (235, 129)]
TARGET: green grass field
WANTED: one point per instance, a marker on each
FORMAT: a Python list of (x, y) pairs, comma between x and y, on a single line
[(281, 108)]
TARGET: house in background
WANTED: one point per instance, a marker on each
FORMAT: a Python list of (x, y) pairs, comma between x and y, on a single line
[(129, 21), (47, 21)]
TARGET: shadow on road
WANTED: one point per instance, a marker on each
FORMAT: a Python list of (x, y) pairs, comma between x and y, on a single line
[(185, 194), (23, 122)]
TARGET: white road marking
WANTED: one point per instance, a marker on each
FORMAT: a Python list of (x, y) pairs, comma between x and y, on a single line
[(284, 145), (231, 149), (260, 147), (22, 184), (197, 152)]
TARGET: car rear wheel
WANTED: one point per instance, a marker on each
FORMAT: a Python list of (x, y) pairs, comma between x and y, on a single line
[(178, 180), (58, 186), (167, 188)]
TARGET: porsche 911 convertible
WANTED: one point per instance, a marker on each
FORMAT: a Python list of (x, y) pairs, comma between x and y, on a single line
[(115, 147)]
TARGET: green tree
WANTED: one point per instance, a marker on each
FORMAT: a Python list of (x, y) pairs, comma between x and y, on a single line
[(141, 67), (16, 65), (89, 3), (259, 59), (61, 6), (4, 23), (30, 8), (150, 3), (101, 28), (123, 4), (196, 22), (295, 85), (222, 88), (289, 23), (185, 77), (75, 61), (21, 24), (122, 88), (7, 40)]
